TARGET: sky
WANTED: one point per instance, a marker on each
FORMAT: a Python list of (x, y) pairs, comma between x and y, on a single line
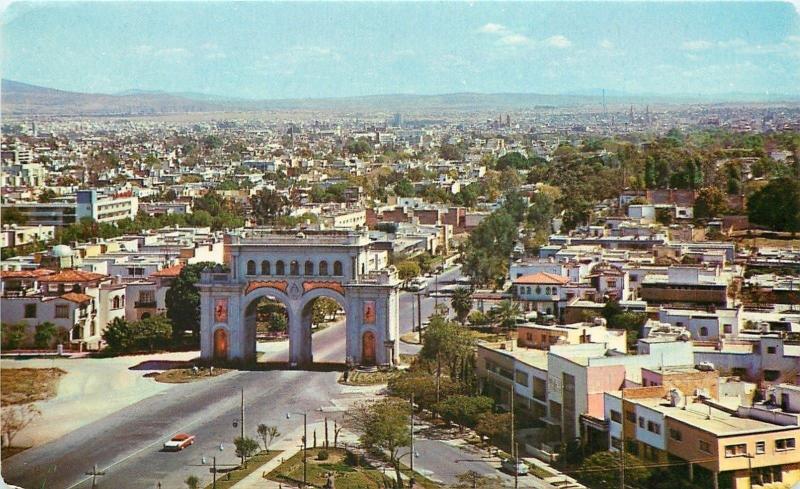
[(275, 50)]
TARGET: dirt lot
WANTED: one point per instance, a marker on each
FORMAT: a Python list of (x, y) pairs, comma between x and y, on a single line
[(26, 385)]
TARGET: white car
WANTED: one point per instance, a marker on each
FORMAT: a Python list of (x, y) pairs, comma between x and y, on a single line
[(179, 442)]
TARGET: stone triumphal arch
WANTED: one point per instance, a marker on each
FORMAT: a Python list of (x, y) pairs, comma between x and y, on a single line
[(295, 268)]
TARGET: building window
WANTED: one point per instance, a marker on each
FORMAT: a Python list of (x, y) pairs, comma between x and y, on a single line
[(323, 267), (30, 311), (654, 427), (771, 350), (251, 267), (280, 268), (761, 447), (309, 268), (772, 375), (294, 268), (727, 328), (616, 442), (93, 329), (521, 378), (703, 331), (630, 416), (675, 434), (62, 311), (785, 444), (735, 450), (547, 290), (704, 446), (538, 289), (616, 416), (115, 304), (337, 269), (641, 422), (265, 268)]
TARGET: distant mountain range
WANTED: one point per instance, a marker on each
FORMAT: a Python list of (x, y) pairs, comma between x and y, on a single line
[(24, 99)]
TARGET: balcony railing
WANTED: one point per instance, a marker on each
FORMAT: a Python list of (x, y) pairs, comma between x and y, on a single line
[(145, 304)]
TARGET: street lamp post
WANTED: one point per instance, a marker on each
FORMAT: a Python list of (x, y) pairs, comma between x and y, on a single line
[(411, 408), (305, 444)]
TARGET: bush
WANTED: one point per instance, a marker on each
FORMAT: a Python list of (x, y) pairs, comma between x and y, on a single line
[(13, 335), (322, 455)]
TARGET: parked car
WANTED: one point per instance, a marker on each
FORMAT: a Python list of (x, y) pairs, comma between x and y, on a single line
[(179, 442), (515, 467), (415, 285)]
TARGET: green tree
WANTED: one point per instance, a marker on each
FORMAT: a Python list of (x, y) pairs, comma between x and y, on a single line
[(602, 471), (359, 147), (45, 332), (152, 333), (268, 205), (496, 427), (383, 425), (13, 335), (447, 344), (506, 313), (777, 205), (484, 256), (404, 188), (461, 301), (12, 215), (450, 152), (245, 447), (322, 309), (424, 387), (119, 335), (710, 202), (267, 434), (514, 160), (408, 269), (183, 300), (478, 318), (464, 410)]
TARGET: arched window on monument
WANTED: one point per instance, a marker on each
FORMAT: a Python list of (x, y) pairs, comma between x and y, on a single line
[(323, 267), (251, 267), (265, 268), (309, 268), (280, 268), (294, 268), (337, 268)]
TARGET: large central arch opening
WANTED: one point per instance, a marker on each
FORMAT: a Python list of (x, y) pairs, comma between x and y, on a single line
[(270, 319), (326, 319)]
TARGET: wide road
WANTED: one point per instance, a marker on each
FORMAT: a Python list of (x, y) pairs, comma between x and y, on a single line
[(126, 445)]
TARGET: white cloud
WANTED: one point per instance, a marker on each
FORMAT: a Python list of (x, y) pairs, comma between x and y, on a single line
[(606, 44), (171, 52), (699, 45), (733, 43), (558, 41), (514, 40), (492, 28), (793, 38)]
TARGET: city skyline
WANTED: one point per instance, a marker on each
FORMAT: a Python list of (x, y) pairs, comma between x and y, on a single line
[(256, 51)]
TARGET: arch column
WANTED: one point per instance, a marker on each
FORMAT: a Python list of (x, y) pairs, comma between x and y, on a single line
[(299, 340)]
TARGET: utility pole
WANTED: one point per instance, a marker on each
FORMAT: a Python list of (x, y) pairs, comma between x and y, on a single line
[(94, 473), (242, 420), (513, 441), (622, 443), (214, 472), (412, 434)]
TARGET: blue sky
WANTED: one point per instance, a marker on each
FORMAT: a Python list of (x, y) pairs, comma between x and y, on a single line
[(285, 50)]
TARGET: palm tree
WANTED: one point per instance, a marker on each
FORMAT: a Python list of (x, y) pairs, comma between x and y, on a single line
[(462, 303), (506, 313)]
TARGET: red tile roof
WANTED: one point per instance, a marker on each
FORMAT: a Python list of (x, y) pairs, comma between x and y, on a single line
[(73, 276), (76, 297), (172, 271), (39, 272), (542, 278)]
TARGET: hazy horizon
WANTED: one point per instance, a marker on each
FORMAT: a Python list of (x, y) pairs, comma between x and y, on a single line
[(337, 49)]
